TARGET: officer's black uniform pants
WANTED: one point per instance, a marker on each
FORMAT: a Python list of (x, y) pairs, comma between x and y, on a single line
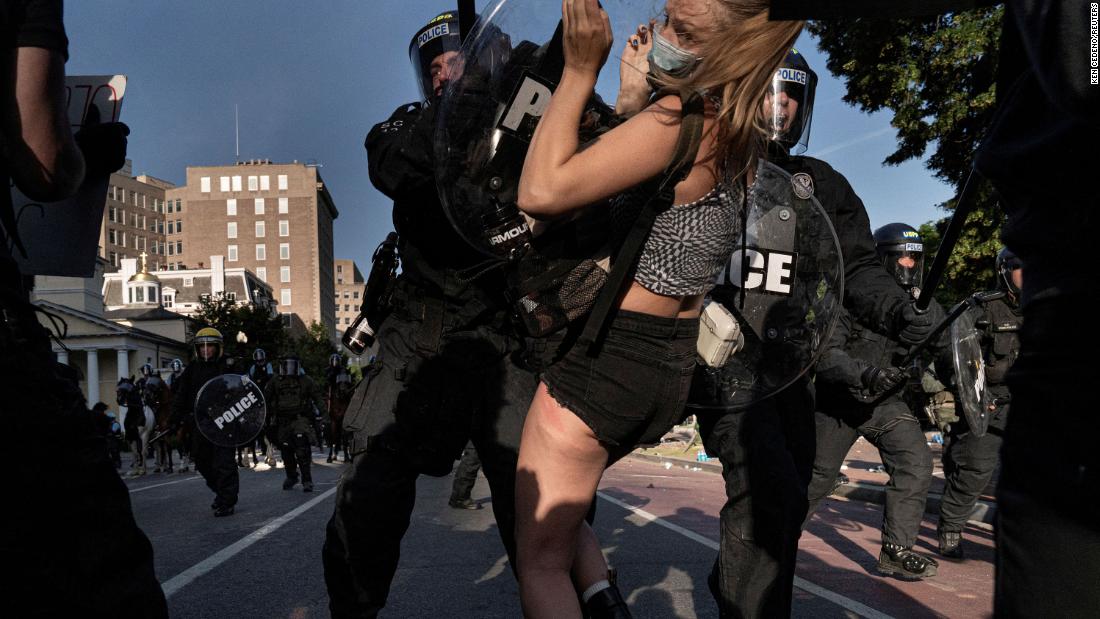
[(766, 454), (466, 474), (968, 465), (896, 433), (297, 457), (413, 414), (218, 467), (1048, 496)]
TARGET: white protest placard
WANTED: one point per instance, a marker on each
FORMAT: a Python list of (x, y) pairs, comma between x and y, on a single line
[(61, 238)]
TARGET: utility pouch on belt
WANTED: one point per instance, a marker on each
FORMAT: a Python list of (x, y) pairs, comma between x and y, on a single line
[(719, 335)]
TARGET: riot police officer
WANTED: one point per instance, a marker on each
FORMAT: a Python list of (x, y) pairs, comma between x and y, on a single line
[(261, 373), (214, 462), (767, 451), (177, 370), (968, 459), (292, 401), (857, 387), (445, 371)]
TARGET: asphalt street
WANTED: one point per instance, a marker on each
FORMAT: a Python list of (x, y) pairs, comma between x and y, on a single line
[(658, 525)]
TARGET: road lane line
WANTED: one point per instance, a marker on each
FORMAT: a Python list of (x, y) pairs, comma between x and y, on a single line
[(847, 603), (167, 483), (186, 577)]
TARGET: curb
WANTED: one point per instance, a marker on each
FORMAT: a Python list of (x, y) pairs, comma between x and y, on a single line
[(984, 512)]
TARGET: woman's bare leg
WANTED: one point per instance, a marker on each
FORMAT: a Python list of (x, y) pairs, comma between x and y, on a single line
[(560, 465)]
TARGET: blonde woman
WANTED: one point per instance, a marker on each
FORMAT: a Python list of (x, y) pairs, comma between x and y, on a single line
[(589, 412)]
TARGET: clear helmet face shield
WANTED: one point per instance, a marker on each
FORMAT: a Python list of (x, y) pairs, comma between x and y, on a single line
[(434, 53), (905, 262), (789, 107), (289, 367)]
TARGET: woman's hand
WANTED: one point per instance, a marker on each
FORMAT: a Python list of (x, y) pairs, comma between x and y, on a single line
[(587, 36), (634, 89)]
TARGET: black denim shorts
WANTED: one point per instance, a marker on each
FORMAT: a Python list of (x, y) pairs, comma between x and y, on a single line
[(635, 389)]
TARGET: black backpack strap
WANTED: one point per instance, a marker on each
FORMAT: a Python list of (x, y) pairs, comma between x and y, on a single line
[(622, 268)]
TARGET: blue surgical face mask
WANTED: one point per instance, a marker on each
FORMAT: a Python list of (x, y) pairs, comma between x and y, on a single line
[(670, 59)]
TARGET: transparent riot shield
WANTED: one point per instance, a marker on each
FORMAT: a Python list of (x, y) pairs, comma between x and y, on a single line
[(512, 63), (230, 410), (966, 354), (784, 284)]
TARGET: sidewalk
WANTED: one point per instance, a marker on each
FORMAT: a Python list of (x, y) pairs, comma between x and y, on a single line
[(863, 466)]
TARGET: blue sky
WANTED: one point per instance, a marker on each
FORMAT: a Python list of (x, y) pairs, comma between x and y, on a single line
[(311, 78)]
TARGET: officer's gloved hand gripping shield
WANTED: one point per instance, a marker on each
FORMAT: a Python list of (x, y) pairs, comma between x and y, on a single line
[(787, 296), (230, 410)]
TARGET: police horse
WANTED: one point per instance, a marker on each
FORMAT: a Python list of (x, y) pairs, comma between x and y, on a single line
[(157, 397), (137, 422)]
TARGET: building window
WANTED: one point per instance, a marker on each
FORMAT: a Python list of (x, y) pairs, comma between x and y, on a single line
[(253, 183), (224, 183), (179, 205), (232, 253), (179, 226), (259, 206), (284, 275), (284, 251), (112, 237), (133, 220), (231, 230), (112, 214), (171, 227), (261, 230), (284, 296), (231, 207), (284, 206), (122, 238), (347, 307), (230, 296), (265, 183), (160, 227), (261, 272), (345, 294), (170, 206), (121, 194), (339, 268), (282, 182), (204, 184), (113, 258), (261, 252), (284, 227), (171, 249), (169, 299), (236, 183), (355, 295), (133, 197), (179, 247), (347, 320)]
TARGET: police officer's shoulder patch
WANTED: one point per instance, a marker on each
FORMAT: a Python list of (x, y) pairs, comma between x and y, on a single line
[(803, 185)]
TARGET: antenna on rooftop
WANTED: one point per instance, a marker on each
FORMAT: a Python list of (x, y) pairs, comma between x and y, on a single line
[(237, 129)]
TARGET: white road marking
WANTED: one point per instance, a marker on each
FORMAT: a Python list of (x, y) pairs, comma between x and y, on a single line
[(847, 603), (167, 483), (186, 577)]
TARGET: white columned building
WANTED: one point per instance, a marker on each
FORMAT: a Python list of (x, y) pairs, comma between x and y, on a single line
[(93, 375)]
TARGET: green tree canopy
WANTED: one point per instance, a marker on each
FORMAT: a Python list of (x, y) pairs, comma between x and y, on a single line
[(937, 76), (262, 328)]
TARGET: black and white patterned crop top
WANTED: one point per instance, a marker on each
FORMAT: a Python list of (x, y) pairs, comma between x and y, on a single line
[(689, 243)]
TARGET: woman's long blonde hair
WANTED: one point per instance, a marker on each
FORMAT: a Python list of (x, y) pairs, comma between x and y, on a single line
[(740, 51)]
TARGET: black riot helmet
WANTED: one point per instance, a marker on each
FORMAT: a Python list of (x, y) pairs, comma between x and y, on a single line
[(901, 250), (259, 356), (1007, 262), (789, 103), (177, 366), (335, 360), (440, 36)]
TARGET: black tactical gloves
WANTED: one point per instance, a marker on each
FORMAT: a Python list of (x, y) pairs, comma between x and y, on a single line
[(914, 327), (878, 380)]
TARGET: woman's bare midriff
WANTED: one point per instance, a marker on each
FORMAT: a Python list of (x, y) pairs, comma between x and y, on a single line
[(639, 299)]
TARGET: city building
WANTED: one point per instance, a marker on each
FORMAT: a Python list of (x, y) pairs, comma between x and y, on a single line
[(272, 219), (101, 349), (137, 219), (349, 293), (131, 294)]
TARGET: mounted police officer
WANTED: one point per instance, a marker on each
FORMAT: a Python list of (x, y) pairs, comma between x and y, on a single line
[(857, 387), (445, 371), (969, 458), (292, 399), (214, 462), (177, 370)]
